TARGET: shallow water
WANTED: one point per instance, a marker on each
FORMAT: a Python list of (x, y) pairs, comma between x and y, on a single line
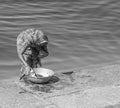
[(80, 33)]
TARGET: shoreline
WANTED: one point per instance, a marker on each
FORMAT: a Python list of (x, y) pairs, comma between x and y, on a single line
[(77, 69), (95, 86)]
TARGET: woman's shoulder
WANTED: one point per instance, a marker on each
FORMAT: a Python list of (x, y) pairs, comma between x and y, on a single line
[(25, 35), (30, 35)]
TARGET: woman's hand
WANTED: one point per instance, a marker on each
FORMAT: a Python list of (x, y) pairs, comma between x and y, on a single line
[(27, 70)]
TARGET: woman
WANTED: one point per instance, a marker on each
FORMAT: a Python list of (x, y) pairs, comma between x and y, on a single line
[(31, 47)]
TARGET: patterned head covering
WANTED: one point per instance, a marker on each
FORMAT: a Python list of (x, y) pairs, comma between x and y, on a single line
[(37, 36), (29, 37)]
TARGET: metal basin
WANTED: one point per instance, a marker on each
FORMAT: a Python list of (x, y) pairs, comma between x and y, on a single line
[(42, 75)]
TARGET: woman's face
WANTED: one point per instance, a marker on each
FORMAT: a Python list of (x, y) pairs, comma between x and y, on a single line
[(43, 51)]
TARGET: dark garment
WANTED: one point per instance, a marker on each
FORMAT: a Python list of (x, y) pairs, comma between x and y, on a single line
[(33, 58)]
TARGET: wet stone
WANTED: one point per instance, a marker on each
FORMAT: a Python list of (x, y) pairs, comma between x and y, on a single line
[(60, 84), (57, 82)]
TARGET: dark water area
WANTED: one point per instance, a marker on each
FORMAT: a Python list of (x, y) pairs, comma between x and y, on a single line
[(81, 33)]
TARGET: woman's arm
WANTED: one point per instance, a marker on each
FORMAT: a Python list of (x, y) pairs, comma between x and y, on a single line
[(22, 58)]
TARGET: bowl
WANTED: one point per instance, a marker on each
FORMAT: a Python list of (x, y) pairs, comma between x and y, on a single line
[(42, 75), (43, 72)]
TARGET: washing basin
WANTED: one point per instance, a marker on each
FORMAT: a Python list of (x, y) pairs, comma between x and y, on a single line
[(42, 75)]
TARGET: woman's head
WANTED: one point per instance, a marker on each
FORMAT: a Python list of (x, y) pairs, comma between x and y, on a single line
[(41, 38), (42, 43)]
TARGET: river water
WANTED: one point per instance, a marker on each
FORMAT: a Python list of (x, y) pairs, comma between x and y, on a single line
[(80, 33)]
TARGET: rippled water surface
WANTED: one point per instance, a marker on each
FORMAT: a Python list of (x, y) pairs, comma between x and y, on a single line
[(80, 33)]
